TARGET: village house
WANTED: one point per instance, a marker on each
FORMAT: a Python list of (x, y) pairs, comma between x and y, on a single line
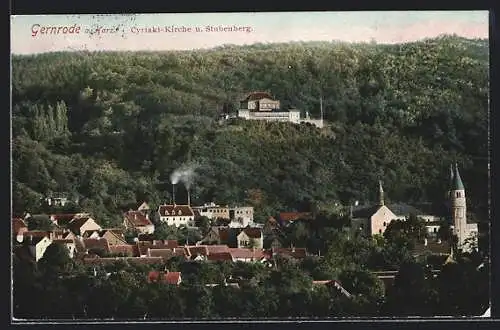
[(250, 237), (167, 254), (247, 255), (173, 278), (64, 219), (287, 218), (80, 225), (240, 216), (37, 245), (113, 236), (19, 227), (220, 256), (124, 250), (138, 221), (176, 215), (294, 253), (94, 246), (213, 236), (145, 246), (144, 207)]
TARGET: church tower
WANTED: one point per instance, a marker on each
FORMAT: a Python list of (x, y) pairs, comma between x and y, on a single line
[(458, 207)]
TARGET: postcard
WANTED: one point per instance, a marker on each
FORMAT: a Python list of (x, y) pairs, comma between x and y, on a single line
[(250, 166)]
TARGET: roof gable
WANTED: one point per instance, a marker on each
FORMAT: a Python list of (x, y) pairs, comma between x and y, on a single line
[(252, 232), (293, 216), (137, 218), (365, 212), (175, 210), (257, 96)]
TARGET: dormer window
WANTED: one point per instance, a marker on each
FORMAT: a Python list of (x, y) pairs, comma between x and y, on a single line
[(180, 212)]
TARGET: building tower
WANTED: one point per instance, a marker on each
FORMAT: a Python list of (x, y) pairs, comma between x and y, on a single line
[(380, 193), (458, 208)]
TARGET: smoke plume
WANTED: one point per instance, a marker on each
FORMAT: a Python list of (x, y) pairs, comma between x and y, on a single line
[(185, 174)]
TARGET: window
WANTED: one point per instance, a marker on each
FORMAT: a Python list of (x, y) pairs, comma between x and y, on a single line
[(385, 224), (435, 229), (380, 231)]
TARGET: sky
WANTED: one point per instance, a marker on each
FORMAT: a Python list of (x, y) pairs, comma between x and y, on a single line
[(31, 34)]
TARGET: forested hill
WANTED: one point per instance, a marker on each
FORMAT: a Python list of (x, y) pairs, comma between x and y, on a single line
[(110, 127)]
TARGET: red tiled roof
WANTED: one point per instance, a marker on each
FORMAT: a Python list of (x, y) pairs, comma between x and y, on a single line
[(37, 233), (220, 256), (165, 244), (177, 210), (167, 253), (135, 260), (197, 250), (168, 277), (77, 223), (130, 250), (62, 241), (293, 216), (18, 224), (297, 253), (224, 234), (137, 218), (159, 244), (244, 253), (145, 237), (253, 232), (217, 248), (257, 96), (96, 243)]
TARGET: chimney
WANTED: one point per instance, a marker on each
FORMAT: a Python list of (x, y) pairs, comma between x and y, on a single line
[(173, 194), (188, 198)]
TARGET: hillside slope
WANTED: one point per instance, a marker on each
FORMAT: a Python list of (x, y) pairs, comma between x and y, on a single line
[(109, 128)]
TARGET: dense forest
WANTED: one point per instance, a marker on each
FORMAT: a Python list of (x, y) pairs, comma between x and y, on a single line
[(109, 128)]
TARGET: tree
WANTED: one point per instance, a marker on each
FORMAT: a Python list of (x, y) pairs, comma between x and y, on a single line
[(40, 222), (56, 259), (203, 223), (412, 293)]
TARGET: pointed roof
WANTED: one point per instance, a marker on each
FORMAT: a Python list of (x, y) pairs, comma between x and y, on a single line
[(380, 193), (457, 181)]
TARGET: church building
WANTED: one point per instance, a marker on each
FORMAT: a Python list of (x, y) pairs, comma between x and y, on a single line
[(462, 229), (374, 219)]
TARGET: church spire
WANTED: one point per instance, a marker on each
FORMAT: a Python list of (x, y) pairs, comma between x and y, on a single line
[(380, 193), (457, 180)]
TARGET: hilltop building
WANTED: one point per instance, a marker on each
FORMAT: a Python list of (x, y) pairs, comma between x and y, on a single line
[(262, 106)]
